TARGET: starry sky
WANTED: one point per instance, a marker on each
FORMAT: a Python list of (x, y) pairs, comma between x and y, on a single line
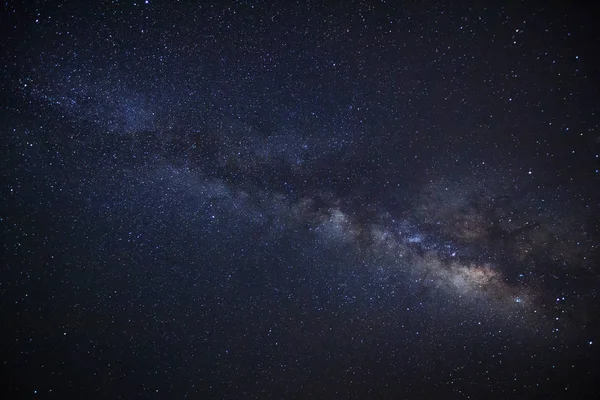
[(250, 200)]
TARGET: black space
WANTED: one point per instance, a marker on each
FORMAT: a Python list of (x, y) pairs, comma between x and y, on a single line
[(249, 200)]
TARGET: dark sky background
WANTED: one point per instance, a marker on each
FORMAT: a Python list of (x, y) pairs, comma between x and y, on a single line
[(300, 200)]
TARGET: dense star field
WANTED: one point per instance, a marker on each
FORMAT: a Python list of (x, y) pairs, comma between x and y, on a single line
[(248, 200)]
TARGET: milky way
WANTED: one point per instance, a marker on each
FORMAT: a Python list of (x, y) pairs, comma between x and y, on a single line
[(300, 200)]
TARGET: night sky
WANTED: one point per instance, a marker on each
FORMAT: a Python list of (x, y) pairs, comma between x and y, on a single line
[(249, 200)]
